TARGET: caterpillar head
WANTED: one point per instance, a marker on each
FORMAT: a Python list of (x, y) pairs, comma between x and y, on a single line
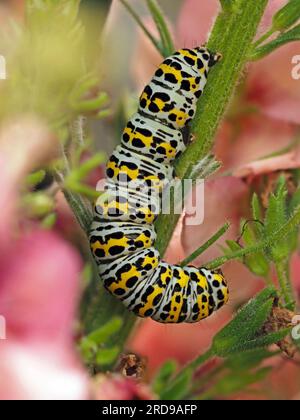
[(218, 288), (201, 59)]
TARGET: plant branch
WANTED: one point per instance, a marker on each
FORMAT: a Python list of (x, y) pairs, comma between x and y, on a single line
[(206, 245)]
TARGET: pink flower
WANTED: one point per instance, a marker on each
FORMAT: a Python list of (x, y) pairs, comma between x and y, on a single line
[(39, 284), (39, 288)]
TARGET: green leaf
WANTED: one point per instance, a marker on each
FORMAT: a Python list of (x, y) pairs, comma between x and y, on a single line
[(276, 216), (226, 5), (245, 325), (235, 382), (135, 16), (164, 374), (264, 340), (256, 262), (107, 356), (282, 232), (49, 221), (287, 16), (102, 334), (92, 346), (282, 39), (35, 178), (38, 204), (179, 388), (248, 359)]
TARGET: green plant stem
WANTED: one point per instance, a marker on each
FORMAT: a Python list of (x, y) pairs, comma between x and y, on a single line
[(232, 35), (80, 208), (278, 235), (190, 367), (206, 245)]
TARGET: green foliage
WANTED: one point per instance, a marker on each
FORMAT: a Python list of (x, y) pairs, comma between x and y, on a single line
[(74, 181), (287, 16), (236, 373), (242, 330), (81, 105), (235, 381), (178, 388), (277, 251), (163, 376), (92, 347), (269, 239), (38, 204), (283, 39), (35, 178), (49, 221), (257, 262)]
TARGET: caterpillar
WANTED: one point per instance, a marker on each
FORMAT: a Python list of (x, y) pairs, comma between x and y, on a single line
[(122, 235)]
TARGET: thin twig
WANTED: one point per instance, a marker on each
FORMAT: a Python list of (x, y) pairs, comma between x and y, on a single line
[(206, 245)]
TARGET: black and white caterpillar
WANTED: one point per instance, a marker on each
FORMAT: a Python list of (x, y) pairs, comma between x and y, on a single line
[(122, 233)]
